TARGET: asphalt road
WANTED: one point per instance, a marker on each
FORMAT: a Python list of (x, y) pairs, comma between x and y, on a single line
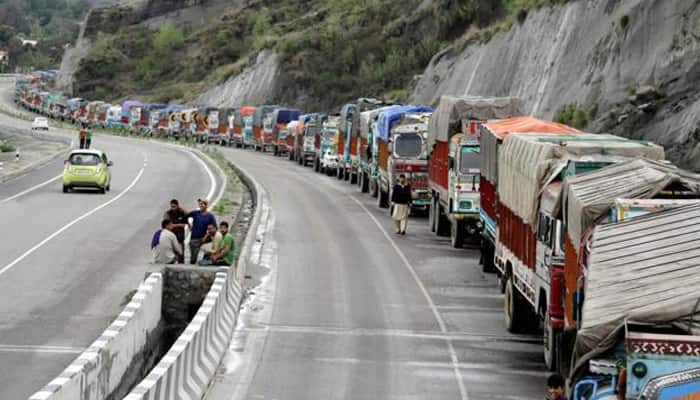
[(349, 310), (67, 261)]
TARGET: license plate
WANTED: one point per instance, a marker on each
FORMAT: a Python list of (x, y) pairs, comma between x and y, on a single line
[(83, 172)]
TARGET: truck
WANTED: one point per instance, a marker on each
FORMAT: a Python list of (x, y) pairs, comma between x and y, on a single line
[(400, 148), (263, 140), (114, 117), (219, 126), (453, 164), (491, 137), (367, 176), (324, 139), (201, 123), (279, 120), (534, 242), (291, 137), (305, 140), (242, 133), (348, 160), (297, 151), (640, 338)]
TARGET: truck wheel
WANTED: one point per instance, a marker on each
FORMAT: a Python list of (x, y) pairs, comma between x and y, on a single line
[(353, 179), (373, 188), (346, 175), (317, 165), (364, 186), (487, 264), (551, 343), (442, 227), (275, 151), (457, 234), (516, 309), (382, 200), (431, 215)]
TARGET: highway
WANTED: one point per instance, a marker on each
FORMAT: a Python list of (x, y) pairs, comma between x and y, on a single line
[(68, 261), (349, 310)]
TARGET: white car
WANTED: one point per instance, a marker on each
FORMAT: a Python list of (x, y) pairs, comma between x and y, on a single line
[(41, 124), (329, 163)]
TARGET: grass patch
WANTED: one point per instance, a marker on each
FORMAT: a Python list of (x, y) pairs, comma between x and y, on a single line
[(228, 204), (7, 148), (575, 116)]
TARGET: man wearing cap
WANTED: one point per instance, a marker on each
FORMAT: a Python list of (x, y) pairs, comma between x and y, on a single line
[(200, 220)]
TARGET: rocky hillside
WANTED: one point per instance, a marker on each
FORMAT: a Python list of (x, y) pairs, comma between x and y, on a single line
[(627, 67)]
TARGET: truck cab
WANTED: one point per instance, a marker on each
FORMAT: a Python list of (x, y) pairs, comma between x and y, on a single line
[(308, 150), (463, 185), (408, 156), (324, 141)]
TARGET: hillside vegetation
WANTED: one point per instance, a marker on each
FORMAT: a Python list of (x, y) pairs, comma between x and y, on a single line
[(330, 51)]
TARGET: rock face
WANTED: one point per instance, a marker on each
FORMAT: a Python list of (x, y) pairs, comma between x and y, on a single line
[(255, 85), (635, 62)]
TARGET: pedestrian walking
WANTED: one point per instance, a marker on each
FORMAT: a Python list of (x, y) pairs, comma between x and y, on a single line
[(178, 216), (225, 255), (88, 137), (168, 250), (401, 200), (200, 219), (82, 135), (555, 387)]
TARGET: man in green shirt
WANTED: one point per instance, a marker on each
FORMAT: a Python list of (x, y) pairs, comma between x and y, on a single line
[(88, 137), (225, 255)]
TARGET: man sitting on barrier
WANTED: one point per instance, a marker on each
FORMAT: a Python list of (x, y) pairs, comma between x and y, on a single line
[(168, 250), (225, 255)]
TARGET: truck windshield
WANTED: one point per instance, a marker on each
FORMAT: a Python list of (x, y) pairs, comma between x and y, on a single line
[(311, 130), (469, 159), (408, 145), (283, 133)]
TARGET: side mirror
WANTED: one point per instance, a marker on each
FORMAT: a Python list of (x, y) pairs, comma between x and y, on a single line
[(110, 163)]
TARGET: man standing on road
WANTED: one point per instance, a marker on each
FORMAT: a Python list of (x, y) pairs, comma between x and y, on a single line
[(555, 387), (168, 250), (88, 137), (225, 255), (82, 133), (200, 219), (401, 201), (178, 216)]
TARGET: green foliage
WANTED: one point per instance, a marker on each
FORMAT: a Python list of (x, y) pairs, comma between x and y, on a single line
[(6, 148), (168, 39), (577, 117)]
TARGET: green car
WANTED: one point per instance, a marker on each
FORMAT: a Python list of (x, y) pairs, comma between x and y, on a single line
[(87, 169)]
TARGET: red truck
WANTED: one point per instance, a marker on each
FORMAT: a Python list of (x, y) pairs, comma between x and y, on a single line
[(262, 133), (453, 165), (532, 168)]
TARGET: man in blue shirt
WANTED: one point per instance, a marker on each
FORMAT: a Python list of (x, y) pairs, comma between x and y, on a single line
[(200, 219)]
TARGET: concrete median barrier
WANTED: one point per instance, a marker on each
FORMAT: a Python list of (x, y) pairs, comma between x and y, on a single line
[(99, 371), (187, 369)]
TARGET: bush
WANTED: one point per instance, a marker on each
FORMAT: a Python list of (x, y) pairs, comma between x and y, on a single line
[(577, 117), (6, 148)]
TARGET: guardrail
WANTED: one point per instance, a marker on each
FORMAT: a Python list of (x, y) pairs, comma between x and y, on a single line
[(99, 370)]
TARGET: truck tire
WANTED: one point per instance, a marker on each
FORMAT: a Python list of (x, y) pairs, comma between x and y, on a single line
[(275, 151), (551, 342), (431, 214), (341, 171), (442, 224), (364, 184), (487, 253), (353, 179), (346, 175), (373, 188), (382, 199), (317, 165), (457, 234), (517, 312)]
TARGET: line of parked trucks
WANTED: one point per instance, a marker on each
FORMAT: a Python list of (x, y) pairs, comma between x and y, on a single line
[(595, 238)]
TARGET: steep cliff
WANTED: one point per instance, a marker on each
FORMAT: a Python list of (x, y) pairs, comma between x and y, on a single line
[(629, 67)]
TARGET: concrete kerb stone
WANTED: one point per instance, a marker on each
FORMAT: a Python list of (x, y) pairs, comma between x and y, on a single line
[(40, 162), (98, 371)]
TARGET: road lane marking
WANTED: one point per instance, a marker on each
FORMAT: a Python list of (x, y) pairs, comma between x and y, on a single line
[(31, 189), (421, 286), (212, 179), (401, 333), (75, 221), (9, 348)]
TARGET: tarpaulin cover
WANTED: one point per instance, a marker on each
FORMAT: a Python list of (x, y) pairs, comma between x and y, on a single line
[(367, 117), (285, 115), (526, 163), (388, 117), (173, 108), (492, 133), (260, 114), (247, 111), (128, 104), (644, 270), (588, 197), (452, 110)]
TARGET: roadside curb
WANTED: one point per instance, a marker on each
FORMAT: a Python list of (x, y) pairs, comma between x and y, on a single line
[(33, 166)]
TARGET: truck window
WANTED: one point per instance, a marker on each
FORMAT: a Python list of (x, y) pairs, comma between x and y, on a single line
[(470, 159), (408, 145)]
